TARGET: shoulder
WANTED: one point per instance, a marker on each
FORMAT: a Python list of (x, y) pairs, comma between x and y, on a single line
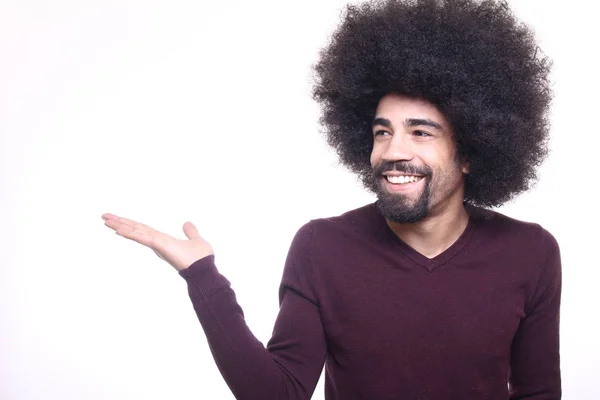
[(498, 224), (359, 220), (358, 224), (529, 239)]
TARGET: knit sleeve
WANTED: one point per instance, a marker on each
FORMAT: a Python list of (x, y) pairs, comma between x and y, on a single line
[(290, 365), (535, 360)]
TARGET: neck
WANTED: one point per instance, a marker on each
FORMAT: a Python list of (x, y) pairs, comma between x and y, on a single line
[(435, 233)]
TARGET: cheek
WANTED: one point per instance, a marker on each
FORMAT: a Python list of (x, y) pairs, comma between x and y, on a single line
[(442, 157), (443, 168), (433, 159), (447, 174)]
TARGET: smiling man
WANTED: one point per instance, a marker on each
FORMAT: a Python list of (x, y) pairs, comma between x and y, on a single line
[(427, 294), (416, 173)]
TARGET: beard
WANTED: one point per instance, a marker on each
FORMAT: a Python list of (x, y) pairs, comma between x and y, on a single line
[(398, 207)]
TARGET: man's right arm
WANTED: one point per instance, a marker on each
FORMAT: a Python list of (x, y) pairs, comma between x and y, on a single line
[(291, 363)]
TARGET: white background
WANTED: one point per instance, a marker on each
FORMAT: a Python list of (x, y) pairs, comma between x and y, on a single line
[(171, 111)]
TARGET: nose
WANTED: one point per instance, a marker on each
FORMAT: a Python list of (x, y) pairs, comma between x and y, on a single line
[(398, 148)]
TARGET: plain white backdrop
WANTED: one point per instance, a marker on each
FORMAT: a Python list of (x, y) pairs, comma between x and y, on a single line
[(194, 110)]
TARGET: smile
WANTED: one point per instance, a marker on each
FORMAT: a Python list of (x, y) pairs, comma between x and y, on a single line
[(403, 179)]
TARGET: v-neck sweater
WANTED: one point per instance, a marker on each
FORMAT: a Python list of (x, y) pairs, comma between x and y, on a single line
[(478, 321)]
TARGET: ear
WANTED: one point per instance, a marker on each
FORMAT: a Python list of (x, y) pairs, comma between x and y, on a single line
[(466, 168)]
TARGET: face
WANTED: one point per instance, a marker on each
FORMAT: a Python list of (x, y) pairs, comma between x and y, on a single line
[(416, 171)]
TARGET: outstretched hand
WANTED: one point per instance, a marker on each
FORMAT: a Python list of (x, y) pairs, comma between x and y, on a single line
[(179, 253)]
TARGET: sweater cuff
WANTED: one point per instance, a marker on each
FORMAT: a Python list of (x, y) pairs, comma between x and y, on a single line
[(203, 278)]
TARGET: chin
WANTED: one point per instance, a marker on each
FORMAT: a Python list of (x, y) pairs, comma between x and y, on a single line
[(402, 215), (403, 209)]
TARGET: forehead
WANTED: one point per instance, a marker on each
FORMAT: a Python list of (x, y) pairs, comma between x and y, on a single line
[(398, 108)]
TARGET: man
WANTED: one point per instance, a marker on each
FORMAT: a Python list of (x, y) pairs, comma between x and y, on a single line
[(441, 108)]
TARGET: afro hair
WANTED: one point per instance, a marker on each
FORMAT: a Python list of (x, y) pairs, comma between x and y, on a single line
[(472, 59)]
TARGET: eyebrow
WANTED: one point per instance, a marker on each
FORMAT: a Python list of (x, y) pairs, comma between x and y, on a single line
[(409, 122), (382, 121)]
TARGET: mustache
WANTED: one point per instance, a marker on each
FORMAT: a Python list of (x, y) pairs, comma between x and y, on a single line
[(401, 166)]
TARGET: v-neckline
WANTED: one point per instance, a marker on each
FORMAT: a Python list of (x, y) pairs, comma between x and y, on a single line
[(430, 264)]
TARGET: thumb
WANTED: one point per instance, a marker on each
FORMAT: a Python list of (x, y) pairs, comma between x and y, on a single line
[(190, 231)]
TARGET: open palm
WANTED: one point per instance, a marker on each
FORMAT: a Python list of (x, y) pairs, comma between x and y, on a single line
[(180, 253)]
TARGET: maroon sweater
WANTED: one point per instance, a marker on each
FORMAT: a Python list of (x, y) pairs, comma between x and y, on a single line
[(479, 321)]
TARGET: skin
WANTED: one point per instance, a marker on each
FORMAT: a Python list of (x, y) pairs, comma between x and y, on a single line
[(405, 130), (413, 132), (180, 254)]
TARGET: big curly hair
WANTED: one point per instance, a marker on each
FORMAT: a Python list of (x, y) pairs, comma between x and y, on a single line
[(472, 59)]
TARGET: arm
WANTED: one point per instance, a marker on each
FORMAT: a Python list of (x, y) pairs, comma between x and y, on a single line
[(535, 358), (290, 366)]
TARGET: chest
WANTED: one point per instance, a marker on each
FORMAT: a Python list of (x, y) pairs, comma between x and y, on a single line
[(389, 310)]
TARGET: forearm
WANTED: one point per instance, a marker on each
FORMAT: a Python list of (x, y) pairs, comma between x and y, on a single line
[(290, 365)]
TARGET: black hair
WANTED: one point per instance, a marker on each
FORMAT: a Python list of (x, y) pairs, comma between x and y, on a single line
[(472, 59)]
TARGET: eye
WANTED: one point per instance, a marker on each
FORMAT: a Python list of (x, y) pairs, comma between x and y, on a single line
[(421, 133), (381, 133)]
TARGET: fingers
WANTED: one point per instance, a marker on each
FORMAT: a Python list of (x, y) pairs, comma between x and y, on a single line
[(144, 234), (111, 217), (135, 231), (190, 231), (145, 238)]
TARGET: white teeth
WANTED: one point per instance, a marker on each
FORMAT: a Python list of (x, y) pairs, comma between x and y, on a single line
[(403, 179)]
